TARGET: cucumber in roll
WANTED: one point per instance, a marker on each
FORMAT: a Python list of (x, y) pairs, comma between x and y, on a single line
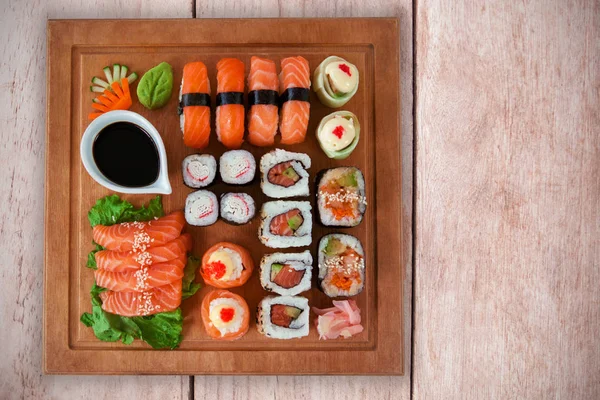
[(335, 81), (338, 134)]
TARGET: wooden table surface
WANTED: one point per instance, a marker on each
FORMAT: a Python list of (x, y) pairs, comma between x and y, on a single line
[(501, 158)]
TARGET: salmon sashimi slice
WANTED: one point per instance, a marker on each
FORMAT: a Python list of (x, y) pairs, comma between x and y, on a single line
[(263, 118), (283, 174), (195, 119), (288, 277), (230, 108), (295, 73), (138, 236), (145, 278), (286, 224), (231, 311), (132, 304), (122, 261)]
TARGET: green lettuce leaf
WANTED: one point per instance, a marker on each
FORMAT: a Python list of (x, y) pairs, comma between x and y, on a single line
[(91, 260), (189, 274), (111, 210), (161, 331)]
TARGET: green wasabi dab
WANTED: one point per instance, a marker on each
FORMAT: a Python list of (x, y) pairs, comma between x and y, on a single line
[(156, 86)]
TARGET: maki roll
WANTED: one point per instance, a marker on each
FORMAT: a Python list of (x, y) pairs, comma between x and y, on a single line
[(341, 197), (335, 81), (225, 315), (283, 174), (338, 134), (194, 105), (237, 208), (285, 224), (226, 265), (283, 317), (341, 261), (237, 167), (286, 274), (199, 170), (201, 208)]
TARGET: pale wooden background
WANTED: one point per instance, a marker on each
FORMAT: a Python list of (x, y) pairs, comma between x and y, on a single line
[(507, 210)]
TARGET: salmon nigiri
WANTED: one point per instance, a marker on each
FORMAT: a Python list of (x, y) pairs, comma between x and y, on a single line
[(122, 261), (230, 104), (263, 102), (143, 279), (131, 304), (194, 107), (295, 111), (225, 315), (138, 236)]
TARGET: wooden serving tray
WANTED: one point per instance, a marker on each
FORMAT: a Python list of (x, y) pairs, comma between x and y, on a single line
[(76, 52)]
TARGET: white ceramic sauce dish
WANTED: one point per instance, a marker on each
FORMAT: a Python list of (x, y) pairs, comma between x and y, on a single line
[(160, 186)]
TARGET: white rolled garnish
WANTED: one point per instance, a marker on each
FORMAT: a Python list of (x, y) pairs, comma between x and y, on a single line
[(337, 133), (335, 81)]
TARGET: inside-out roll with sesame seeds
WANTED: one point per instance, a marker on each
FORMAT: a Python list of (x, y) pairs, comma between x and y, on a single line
[(341, 265), (341, 199)]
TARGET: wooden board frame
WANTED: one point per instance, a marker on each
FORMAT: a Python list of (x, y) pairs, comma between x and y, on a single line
[(385, 356)]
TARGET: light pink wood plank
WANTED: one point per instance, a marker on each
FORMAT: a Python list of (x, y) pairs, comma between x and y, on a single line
[(327, 387), (508, 209), (22, 115)]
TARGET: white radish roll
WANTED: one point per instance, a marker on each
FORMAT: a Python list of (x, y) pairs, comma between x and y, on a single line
[(199, 170), (201, 208), (237, 167)]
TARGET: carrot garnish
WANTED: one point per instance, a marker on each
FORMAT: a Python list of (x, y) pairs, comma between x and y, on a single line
[(118, 99)]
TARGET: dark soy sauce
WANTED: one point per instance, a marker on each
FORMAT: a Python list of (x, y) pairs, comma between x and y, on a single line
[(126, 155)]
